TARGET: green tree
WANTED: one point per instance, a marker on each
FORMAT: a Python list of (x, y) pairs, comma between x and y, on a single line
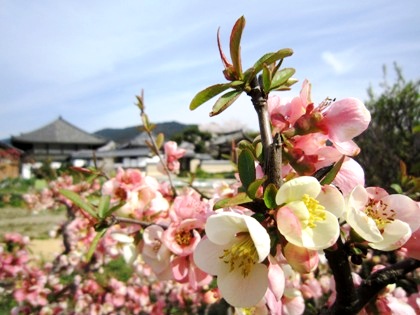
[(193, 135), (394, 133)]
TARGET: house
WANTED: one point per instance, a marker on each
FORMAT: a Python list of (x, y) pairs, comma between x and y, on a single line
[(132, 154), (223, 144), (9, 161), (53, 143)]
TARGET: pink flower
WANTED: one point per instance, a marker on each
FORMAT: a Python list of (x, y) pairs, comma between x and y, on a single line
[(284, 114), (182, 238), (188, 206), (155, 253), (172, 155), (413, 245), (345, 119), (276, 280), (385, 221), (184, 270), (349, 176), (301, 259)]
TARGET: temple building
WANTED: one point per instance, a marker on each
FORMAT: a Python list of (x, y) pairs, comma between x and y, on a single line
[(54, 143)]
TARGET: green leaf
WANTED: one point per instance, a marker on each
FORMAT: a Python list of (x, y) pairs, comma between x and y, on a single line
[(259, 151), (207, 94), (160, 139), (103, 205), (244, 144), (328, 179), (94, 244), (254, 186), (238, 199), (267, 59), (225, 101), (270, 193), (236, 84), (266, 78), (287, 85), (246, 168), (114, 208), (397, 188), (78, 201), (235, 45), (281, 77)]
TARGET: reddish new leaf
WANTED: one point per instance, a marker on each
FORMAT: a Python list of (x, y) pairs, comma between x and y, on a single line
[(235, 45)]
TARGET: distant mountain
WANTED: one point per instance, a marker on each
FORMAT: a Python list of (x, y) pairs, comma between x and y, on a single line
[(121, 135)]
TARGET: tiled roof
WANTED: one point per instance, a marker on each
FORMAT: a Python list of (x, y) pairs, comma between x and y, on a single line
[(59, 131), (137, 141)]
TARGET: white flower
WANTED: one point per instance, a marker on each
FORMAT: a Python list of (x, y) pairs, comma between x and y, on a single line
[(233, 250), (126, 246), (308, 213), (385, 221), (155, 253)]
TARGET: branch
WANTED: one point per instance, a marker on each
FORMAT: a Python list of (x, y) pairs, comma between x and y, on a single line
[(260, 104), (380, 279), (143, 224), (344, 286), (274, 162), (272, 150)]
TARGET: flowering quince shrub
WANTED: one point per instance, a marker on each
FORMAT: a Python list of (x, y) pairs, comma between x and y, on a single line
[(297, 233)]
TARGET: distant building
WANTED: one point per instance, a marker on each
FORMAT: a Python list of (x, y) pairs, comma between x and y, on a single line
[(132, 154), (223, 144), (60, 141), (9, 161), (54, 143)]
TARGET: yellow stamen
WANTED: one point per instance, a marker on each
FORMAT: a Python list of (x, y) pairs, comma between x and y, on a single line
[(242, 255), (379, 212), (183, 237), (249, 310), (316, 211)]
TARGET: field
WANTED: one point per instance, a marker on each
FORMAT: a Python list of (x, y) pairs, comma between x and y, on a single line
[(36, 226)]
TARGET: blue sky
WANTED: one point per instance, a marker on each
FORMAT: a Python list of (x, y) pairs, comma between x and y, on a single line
[(86, 60)]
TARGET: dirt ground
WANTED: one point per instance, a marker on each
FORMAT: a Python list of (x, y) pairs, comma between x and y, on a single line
[(35, 225), (46, 249)]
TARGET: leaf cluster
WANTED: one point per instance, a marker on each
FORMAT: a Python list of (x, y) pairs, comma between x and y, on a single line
[(258, 194), (273, 78)]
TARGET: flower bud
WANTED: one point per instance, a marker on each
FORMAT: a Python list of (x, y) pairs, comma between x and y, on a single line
[(301, 259)]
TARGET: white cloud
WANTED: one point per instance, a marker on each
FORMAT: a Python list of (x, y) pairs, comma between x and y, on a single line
[(341, 62)]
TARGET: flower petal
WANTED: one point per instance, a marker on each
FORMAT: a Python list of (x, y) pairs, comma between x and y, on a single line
[(407, 210), (413, 245), (295, 188), (129, 252), (349, 148), (289, 225), (259, 236), (346, 119), (276, 280), (323, 235), (363, 225), (331, 198), (394, 236), (349, 176), (207, 257), (241, 291), (358, 198), (122, 238), (221, 228)]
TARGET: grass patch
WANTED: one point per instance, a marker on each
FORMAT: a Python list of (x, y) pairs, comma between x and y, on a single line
[(117, 269)]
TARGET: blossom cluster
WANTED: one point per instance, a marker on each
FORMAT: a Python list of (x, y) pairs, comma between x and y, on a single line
[(260, 248)]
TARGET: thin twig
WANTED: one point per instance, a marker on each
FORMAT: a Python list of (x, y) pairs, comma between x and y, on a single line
[(143, 224)]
